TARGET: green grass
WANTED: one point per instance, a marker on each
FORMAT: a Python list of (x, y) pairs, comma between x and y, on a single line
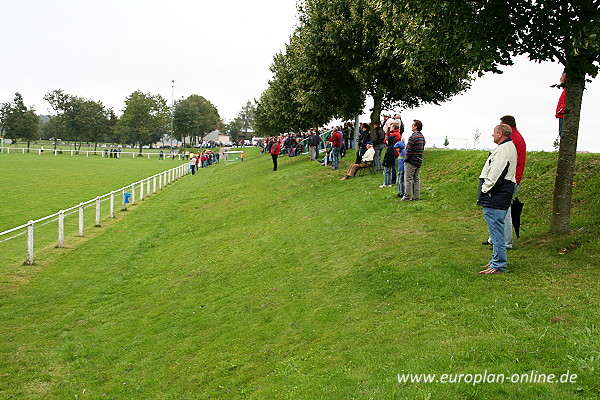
[(35, 186), (244, 283)]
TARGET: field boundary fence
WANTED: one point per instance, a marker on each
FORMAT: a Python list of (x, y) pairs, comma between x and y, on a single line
[(128, 194)]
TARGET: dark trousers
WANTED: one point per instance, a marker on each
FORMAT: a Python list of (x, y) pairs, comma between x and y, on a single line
[(274, 157)]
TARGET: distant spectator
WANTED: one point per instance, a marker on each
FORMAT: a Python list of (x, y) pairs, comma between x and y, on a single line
[(275, 151)]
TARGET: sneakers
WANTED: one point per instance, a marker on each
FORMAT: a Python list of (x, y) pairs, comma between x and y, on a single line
[(382, 186)]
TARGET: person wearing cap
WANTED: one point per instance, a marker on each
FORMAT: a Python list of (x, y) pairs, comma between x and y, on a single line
[(400, 176), (366, 159)]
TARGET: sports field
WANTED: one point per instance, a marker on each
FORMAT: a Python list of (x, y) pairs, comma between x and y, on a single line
[(240, 282)]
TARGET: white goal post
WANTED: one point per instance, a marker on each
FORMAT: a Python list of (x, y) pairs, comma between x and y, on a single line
[(233, 156)]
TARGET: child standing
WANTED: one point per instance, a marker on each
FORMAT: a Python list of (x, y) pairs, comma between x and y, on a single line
[(389, 163), (400, 146)]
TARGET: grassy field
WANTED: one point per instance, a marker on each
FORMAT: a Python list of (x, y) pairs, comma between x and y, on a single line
[(240, 282), (35, 186)]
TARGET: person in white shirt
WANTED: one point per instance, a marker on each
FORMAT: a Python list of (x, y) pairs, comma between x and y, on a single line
[(366, 159)]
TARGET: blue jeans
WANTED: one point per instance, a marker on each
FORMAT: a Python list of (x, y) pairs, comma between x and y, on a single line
[(401, 181), (495, 223), (335, 157), (387, 175), (377, 158)]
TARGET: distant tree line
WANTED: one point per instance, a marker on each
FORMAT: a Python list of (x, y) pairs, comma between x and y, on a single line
[(145, 120)]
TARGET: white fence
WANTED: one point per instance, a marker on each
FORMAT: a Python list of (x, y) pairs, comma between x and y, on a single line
[(102, 153), (144, 188)]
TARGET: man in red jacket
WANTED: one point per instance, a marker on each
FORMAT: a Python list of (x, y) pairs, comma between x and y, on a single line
[(560, 107), (521, 147), (336, 147), (275, 152)]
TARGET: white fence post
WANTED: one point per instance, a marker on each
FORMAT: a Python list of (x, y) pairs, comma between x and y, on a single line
[(30, 228), (148, 187), (97, 211), (141, 190), (154, 184), (112, 204), (61, 229), (81, 219)]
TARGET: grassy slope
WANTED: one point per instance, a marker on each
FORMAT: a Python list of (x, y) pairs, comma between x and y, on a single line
[(244, 283)]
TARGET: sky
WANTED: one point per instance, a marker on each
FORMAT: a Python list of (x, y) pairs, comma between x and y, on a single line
[(222, 50)]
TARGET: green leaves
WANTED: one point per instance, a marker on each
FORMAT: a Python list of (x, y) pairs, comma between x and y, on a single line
[(194, 117), (18, 121), (145, 118)]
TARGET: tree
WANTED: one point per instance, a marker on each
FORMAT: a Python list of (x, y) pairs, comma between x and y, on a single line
[(18, 121), (486, 34), (145, 118), (186, 117), (194, 117), (243, 122), (80, 119), (338, 56)]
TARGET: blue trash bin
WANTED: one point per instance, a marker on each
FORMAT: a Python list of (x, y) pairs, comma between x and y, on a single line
[(126, 197)]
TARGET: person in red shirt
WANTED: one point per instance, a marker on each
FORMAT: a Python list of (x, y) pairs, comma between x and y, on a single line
[(336, 148), (560, 107), (275, 152)]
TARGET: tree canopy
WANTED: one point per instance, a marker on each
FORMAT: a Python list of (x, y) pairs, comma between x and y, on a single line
[(338, 56), (486, 34), (194, 118), (80, 119), (145, 119), (18, 121)]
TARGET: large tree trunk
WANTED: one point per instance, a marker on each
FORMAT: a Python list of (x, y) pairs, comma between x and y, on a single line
[(376, 111), (565, 169)]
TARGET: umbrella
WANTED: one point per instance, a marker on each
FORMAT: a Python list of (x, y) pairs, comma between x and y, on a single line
[(516, 209)]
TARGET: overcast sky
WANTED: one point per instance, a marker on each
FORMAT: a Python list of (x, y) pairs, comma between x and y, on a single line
[(222, 50)]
